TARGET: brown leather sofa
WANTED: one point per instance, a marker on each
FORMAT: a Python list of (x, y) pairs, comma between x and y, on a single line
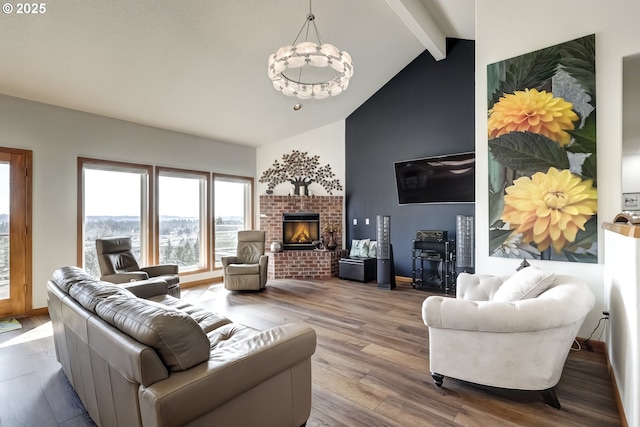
[(139, 357)]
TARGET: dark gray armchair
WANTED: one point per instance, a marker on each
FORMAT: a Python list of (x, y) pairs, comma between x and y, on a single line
[(119, 265)]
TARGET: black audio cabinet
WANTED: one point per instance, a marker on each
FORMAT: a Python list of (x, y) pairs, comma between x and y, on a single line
[(433, 265)]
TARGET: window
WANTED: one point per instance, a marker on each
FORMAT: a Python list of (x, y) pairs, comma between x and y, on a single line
[(114, 202), (117, 199), (182, 219), (233, 212)]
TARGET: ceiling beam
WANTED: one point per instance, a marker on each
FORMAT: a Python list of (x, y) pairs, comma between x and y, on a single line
[(416, 17)]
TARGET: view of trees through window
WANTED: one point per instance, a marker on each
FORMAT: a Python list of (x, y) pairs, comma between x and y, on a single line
[(113, 206), (115, 203), (232, 213), (182, 216)]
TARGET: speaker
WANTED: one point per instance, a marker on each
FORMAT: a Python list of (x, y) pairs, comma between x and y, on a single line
[(385, 269), (383, 236), (464, 243)]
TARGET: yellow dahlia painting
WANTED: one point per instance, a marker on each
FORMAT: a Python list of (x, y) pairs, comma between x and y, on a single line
[(541, 125)]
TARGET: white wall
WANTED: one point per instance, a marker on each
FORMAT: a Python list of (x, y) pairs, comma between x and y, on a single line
[(326, 142), (631, 173), (58, 136), (501, 34), (505, 29), (631, 124), (623, 337)]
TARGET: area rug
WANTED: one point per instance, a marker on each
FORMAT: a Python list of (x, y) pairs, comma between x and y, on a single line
[(9, 325)]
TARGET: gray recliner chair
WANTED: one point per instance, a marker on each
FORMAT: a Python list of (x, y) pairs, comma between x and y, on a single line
[(247, 270), (119, 265)]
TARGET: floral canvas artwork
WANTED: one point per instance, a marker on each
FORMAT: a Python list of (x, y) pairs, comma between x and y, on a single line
[(541, 119)]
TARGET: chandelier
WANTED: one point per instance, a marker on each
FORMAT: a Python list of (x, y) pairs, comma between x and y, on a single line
[(326, 68)]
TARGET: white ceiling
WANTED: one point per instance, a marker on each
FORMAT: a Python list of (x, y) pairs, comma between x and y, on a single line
[(199, 66)]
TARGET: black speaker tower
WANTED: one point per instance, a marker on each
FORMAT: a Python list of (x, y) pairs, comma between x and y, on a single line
[(386, 271)]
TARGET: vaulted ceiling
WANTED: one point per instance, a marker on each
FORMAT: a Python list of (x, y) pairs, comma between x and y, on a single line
[(199, 66)]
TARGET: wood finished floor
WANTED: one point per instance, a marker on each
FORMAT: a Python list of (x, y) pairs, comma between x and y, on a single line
[(370, 367)]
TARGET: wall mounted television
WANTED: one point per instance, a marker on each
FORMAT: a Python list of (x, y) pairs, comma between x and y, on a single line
[(448, 178)]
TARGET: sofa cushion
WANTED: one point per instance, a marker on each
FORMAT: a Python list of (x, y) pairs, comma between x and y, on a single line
[(207, 320), (66, 277), (243, 269), (172, 333), (524, 284), (89, 292)]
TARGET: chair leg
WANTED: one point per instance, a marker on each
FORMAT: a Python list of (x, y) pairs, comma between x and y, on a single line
[(437, 378), (550, 398)]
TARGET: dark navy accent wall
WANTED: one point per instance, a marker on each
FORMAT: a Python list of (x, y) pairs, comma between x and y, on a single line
[(425, 110)]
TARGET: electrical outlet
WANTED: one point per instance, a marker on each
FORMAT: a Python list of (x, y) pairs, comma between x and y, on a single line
[(355, 221), (605, 313), (366, 221)]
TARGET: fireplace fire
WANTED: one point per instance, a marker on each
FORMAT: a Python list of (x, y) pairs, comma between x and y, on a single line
[(299, 230)]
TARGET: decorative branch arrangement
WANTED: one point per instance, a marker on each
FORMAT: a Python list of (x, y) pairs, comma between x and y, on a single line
[(331, 227), (300, 170)]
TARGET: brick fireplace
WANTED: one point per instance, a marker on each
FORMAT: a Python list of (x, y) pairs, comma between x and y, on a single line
[(300, 263)]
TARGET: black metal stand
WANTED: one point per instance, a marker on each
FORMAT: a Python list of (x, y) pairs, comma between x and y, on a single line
[(433, 265)]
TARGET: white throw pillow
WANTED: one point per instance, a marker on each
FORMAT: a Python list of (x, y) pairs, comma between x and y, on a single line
[(373, 248), (524, 284), (359, 248)]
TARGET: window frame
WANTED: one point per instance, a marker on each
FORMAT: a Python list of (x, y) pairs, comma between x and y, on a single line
[(146, 217), (205, 221), (249, 207), (149, 216)]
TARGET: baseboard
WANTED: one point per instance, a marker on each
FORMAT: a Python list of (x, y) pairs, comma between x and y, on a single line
[(209, 281), (39, 312), (616, 393)]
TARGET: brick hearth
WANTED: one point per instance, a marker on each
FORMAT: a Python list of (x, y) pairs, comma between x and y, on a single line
[(303, 264), (300, 264)]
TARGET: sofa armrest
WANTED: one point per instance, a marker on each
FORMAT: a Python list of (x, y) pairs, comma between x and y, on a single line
[(160, 270), (550, 310), (230, 371), (226, 260), (264, 261), (132, 276), (147, 288)]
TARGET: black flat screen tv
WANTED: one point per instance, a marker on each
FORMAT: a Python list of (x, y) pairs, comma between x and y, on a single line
[(440, 179)]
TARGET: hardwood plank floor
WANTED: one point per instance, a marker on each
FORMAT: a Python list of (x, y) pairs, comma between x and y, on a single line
[(370, 367)]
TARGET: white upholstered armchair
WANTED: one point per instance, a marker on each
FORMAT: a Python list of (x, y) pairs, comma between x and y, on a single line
[(511, 332)]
